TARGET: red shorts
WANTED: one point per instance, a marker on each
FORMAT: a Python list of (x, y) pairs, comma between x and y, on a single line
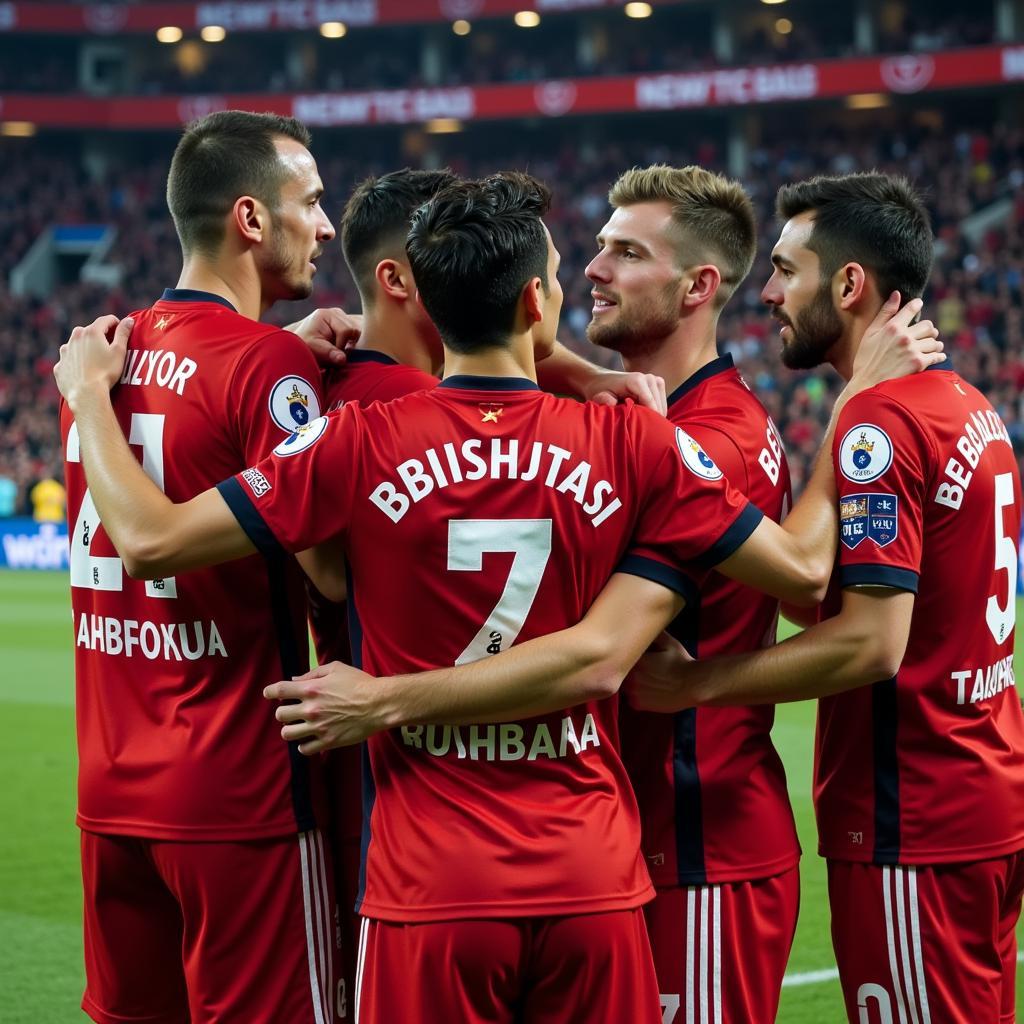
[(927, 944), (191, 933), (721, 950), (584, 969)]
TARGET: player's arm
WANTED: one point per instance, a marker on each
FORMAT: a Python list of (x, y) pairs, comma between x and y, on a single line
[(329, 333), (564, 372), (336, 704), (794, 561), (863, 644), (154, 537)]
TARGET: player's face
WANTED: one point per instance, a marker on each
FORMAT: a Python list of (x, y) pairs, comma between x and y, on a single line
[(299, 228), (801, 301), (636, 278), (546, 331)]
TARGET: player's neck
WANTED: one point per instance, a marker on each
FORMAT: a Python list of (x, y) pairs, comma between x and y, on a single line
[(843, 353), (513, 360), (244, 295), (396, 337), (680, 355)]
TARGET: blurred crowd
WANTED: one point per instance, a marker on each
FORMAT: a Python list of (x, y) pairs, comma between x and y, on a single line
[(975, 294)]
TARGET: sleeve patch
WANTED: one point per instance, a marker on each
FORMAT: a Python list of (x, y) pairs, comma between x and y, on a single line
[(865, 453), (303, 438), (874, 517), (258, 483), (293, 403), (696, 459)]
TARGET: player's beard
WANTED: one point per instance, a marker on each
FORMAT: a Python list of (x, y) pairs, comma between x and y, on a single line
[(280, 267), (638, 331), (816, 329)]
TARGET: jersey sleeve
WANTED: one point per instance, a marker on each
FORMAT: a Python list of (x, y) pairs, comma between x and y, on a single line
[(302, 493), (722, 450), (275, 389), (691, 519), (881, 458)]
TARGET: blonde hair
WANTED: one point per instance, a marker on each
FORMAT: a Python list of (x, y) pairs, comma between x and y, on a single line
[(713, 216)]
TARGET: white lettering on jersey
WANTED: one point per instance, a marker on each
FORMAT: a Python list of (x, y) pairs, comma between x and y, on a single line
[(770, 458), (508, 741), (983, 428), (143, 366), (174, 641), (987, 682), (553, 466)]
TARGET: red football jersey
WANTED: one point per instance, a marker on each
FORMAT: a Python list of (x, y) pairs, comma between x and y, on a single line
[(710, 784), (477, 514), (928, 767), (175, 739)]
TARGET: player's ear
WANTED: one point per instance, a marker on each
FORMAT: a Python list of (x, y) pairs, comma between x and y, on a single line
[(248, 217), (850, 283), (394, 279), (532, 298), (702, 284)]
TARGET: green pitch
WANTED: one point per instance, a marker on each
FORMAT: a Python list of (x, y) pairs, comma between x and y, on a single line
[(40, 897)]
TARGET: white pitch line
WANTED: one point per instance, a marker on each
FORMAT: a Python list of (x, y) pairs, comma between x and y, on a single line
[(831, 974)]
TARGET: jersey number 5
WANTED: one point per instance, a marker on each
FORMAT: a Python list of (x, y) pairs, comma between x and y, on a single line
[(106, 572), (530, 540), (1001, 617)]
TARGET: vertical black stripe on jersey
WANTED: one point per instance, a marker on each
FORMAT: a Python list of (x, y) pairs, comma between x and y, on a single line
[(887, 772), (292, 664), (689, 800), (355, 638)]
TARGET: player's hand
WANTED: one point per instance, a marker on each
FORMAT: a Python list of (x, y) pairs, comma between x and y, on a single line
[(657, 681), (646, 389), (91, 360), (328, 333), (336, 705), (894, 346)]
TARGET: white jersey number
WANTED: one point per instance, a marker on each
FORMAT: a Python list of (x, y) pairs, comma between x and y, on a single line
[(96, 572), (1001, 617), (530, 540)]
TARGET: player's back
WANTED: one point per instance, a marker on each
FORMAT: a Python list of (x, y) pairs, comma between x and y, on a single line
[(929, 767), (175, 739), (710, 784), (480, 514)]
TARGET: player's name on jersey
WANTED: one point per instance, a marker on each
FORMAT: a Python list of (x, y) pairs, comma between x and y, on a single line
[(553, 466), (982, 429), (166, 369), (508, 741), (170, 641), (987, 682)]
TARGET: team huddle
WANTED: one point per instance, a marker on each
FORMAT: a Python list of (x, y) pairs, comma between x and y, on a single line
[(532, 779)]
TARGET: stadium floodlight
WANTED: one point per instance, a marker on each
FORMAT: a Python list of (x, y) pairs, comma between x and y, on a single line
[(867, 101), (527, 19), (17, 129), (638, 10), (443, 125), (212, 34), (783, 26), (333, 29), (773, 2), (169, 34), (461, 27)]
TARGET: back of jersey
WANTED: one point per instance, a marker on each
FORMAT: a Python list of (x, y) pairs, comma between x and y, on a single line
[(478, 515), (175, 739), (929, 767)]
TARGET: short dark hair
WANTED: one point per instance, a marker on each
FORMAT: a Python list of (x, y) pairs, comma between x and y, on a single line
[(473, 248), (877, 220), (375, 223), (220, 157)]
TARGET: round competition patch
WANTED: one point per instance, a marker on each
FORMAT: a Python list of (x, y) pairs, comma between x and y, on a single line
[(293, 403), (697, 460), (302, 438), (865, 453)]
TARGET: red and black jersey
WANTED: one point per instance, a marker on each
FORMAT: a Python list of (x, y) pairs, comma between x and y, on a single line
[(710, 784), (175, 739), (477, 514), (928, 767), (371, 376)]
